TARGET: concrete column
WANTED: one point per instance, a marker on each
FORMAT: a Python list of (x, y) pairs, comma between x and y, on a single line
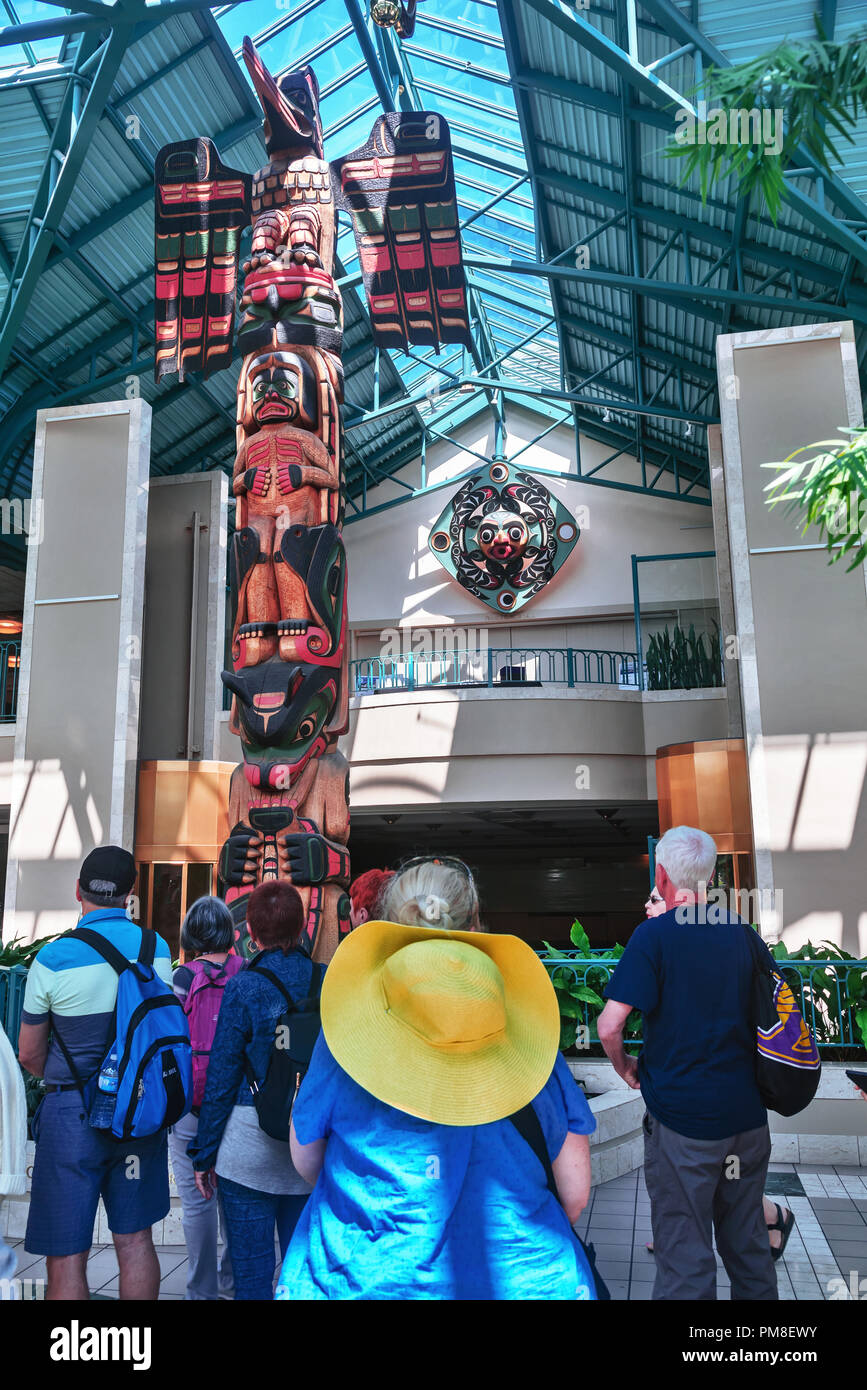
[(185, 617), (731, 665), (76, 741), (802, 631)]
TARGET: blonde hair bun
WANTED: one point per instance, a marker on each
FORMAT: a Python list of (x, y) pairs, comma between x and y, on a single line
[(432, 894)]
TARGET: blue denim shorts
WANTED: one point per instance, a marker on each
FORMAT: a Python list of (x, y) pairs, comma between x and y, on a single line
[(76, 1165)]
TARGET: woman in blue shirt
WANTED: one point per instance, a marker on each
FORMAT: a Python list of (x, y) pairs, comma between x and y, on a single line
[(424, 1187)]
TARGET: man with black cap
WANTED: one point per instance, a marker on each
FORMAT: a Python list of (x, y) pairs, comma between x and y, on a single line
[(66, 1029)]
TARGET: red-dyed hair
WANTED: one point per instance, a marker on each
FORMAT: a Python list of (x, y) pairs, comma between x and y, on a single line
[(275, 915), (366, 890)]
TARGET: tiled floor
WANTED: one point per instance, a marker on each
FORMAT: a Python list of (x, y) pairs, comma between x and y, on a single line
[(829, 1241)]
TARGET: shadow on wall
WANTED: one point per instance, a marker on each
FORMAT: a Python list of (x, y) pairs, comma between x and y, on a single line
[(54, 823), (810, 811)]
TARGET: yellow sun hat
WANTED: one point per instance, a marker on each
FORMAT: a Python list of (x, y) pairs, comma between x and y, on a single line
[(460, 1028)]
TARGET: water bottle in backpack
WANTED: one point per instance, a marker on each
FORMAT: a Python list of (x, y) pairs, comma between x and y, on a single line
[(102, 1110)]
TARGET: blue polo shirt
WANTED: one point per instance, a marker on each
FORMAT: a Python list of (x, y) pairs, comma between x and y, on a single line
[(691, 981), (71, 985)]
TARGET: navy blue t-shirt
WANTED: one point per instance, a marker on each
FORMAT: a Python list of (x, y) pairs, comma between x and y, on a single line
[(691, 981)]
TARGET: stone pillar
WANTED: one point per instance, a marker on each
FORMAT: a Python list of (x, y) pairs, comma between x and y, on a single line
[(802, 635), (731, 665), (76, 741), (185, 617)]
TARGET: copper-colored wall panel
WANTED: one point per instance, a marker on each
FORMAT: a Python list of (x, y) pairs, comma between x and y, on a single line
[(182, 815), (705, 784)]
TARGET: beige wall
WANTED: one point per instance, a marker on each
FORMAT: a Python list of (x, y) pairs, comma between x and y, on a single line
[(543, 745), (78, 701), (502, 746), (802, 627), (394, 578)]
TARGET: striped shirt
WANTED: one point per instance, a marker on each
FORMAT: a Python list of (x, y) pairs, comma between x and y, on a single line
[(70, 985)]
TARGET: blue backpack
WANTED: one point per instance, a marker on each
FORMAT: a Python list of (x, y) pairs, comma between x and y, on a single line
[(152, 1042)]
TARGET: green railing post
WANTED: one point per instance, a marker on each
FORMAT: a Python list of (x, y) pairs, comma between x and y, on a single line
[(490, 680), (637, 618), (570, 667)]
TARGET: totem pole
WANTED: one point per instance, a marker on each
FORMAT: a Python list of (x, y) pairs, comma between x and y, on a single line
[(288, 800)]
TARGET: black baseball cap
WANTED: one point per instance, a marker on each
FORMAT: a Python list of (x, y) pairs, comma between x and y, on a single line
[(107, 872)]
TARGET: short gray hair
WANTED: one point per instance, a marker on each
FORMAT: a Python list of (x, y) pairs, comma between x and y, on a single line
[(208, 926), (111, 899), (688, 857)]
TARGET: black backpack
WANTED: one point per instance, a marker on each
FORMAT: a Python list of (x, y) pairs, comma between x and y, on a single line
[(295, 1035)]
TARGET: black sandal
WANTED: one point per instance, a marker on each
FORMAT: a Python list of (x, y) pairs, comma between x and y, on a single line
[(785, 1229)]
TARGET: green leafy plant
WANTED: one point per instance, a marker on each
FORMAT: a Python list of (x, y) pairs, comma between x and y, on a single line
[(681, 660), (835, 1012), (829, 490), (817, 88), (19, 952), (579, 989)]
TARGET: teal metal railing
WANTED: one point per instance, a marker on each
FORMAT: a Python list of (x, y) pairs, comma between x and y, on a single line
[(821, 989), (10, 665), (13, 980), (495, 666)]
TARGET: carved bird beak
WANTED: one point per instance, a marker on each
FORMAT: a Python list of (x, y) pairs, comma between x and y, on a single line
[(287, 123)]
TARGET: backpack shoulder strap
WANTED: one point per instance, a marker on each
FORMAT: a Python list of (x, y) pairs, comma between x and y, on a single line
[(103, 948), (148, 948), (529, 1126), (73, 1069), (274, 980)]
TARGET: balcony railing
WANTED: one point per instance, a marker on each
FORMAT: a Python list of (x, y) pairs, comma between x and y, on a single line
[(823, 990), (494, 667), (10, 665)]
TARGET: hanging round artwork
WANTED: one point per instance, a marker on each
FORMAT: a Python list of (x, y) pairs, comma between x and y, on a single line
[(503, 536)]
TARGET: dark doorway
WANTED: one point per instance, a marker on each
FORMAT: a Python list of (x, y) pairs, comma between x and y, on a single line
[(537, 869)]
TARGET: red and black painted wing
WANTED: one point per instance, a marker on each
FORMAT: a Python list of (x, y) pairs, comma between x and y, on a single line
[(399, 190), (201, 210)]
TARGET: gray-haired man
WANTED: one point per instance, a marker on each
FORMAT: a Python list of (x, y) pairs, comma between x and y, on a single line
[(706, 1139)]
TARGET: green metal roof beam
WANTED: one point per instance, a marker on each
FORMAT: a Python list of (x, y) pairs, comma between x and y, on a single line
[(623, 407), (669, 290), (56, 188), (677, 24), (648, 85), (23, 34), (87, 7)]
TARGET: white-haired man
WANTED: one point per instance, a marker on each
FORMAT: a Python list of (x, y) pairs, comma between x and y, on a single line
[(706, 1139)]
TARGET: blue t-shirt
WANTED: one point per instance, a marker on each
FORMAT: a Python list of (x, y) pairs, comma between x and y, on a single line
[(407, 1209), (691, 981)]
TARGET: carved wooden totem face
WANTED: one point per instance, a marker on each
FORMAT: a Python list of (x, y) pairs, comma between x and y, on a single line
[(503, 537), (283, 391), (281, 712)]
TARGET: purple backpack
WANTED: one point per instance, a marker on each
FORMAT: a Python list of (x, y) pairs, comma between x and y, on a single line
[(202, 1008), (787, 1059)]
